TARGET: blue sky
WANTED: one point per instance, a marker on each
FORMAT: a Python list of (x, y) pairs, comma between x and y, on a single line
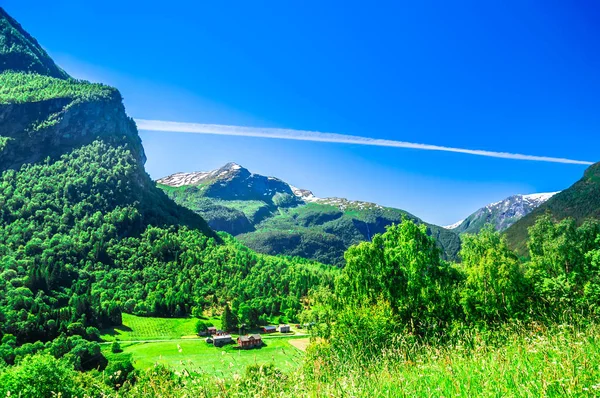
[(507, 76)]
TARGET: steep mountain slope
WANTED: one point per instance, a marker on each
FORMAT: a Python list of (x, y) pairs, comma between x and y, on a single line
[(84, 232), (501, 214), (580, 202), (21, 52), (274, 217)]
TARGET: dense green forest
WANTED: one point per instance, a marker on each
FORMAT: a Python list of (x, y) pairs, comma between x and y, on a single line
[(396, 314), (85, 234), (83, 240), (20, 51)]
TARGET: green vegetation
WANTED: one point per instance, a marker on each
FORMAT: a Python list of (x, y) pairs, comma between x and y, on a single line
[(229, 321), (88, 242), (21, 52), (86, 236), (69, 240), (150, 328), (203, 358), (21, 87), (115, 347)]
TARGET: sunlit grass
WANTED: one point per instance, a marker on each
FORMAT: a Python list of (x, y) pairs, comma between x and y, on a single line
[(557, 362), (153, 328), (201, 357)]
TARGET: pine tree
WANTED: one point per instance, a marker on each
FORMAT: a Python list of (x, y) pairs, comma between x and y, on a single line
[(228, 319)]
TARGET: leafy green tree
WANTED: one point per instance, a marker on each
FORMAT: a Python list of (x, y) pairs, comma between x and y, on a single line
[(92, 333), (44, 376), (494, 288), (247, 315), (229, 321), (201, 326), (562, 265), (403, 268), (119, 372)]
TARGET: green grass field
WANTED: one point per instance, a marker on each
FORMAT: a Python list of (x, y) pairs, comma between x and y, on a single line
[(199, 356), (149, 328), (193, 354)]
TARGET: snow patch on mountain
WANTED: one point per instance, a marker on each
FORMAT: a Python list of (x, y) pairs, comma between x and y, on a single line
[(304, 194), (198, 177), (455, 225)]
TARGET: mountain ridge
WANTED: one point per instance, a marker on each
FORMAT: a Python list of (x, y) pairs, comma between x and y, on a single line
[(580, 201), (271, 216), (21, 51), (501, 214)]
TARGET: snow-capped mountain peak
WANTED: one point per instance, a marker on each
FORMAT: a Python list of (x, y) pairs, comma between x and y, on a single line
[(501, 214), (198, 177)]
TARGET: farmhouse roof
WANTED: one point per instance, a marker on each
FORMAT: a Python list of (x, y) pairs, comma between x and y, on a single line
[(250, 337)]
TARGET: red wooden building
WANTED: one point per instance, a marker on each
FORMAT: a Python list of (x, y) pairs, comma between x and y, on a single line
[(251, 341)]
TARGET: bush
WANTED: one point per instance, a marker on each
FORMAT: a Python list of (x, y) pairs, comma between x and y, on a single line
[(44, 376), (115, 347), (119, 372)]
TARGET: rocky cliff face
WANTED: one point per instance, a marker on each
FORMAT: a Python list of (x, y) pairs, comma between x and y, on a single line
[(35, 131), (501, 214)]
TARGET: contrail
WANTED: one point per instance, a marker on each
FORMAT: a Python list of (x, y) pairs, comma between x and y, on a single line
[(302, 135)]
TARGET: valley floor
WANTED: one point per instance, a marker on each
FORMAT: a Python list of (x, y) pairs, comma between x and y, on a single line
[(173, 343), (557, 362)]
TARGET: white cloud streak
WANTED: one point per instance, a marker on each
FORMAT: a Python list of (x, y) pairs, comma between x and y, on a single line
[(302, 135)]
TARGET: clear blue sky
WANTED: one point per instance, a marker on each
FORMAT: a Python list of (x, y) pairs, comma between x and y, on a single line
[(513, 76)]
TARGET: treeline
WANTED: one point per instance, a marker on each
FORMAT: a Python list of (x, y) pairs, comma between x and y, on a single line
[(20, 87), (397, 285)]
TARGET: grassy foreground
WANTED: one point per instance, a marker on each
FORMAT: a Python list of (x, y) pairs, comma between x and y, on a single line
[(523, 362), (558, 362)]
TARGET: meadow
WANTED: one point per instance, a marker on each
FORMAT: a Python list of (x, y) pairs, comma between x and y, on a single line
[(173, 342), (153, 328), (197, 356)]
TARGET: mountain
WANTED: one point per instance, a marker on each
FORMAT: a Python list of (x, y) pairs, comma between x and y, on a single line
[(21, 52), (273, 217), (501, 214), (580, 202), (86, 235)]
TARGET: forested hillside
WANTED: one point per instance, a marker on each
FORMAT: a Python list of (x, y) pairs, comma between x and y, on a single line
[(85, 234), (273, 217), (20, 51), (580, 202)]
